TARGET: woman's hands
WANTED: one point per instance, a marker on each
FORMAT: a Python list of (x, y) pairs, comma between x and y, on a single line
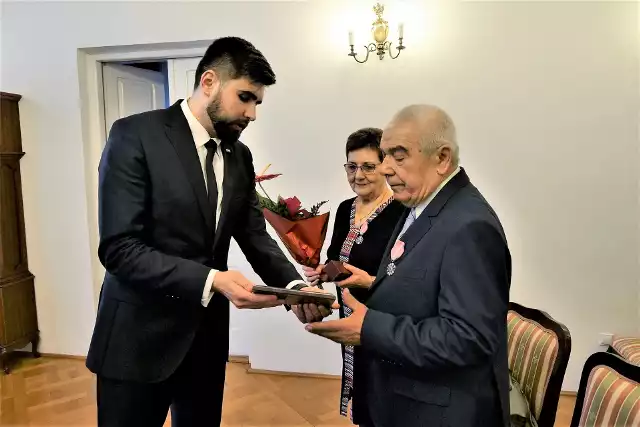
[(313, 274), (358, 279)]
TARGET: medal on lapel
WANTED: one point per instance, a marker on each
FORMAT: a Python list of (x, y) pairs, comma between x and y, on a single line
[(396, 252), (363, 230)]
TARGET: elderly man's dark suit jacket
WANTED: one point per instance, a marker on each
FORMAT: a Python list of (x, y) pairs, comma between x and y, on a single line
[(434, 344)]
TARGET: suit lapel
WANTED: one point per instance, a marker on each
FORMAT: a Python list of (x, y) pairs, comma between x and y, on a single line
[(422, 225), (411, 237), (227, 187), (179, 134), (387, 252)]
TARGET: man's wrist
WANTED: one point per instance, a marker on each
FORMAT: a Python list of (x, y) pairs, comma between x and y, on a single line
[(216, 282)]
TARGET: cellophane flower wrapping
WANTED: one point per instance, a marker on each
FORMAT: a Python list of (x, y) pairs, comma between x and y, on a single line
[(302, 231), (303, 238)]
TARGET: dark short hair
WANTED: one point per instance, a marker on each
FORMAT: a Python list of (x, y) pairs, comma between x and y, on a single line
[(365, 138), (234, 58)]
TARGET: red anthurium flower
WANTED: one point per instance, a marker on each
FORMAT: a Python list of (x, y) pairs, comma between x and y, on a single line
[(260, 178)]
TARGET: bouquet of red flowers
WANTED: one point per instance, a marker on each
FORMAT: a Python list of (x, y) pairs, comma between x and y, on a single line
[(302, 231)]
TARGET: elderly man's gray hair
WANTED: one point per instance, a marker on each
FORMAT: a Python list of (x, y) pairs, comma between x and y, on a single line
[(436, 128)]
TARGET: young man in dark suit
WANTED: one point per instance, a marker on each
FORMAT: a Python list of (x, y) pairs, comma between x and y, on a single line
[(175, 186), (431, 341)]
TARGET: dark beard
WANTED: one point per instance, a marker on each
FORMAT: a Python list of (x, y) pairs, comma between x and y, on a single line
[(223, 126)]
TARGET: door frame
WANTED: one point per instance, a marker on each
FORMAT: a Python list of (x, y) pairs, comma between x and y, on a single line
[(92, 116)]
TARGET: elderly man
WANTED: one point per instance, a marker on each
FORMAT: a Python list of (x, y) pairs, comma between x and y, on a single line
[(431, 344)]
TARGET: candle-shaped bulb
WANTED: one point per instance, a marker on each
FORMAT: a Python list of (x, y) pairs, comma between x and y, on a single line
[(401, 30), (351, 38)]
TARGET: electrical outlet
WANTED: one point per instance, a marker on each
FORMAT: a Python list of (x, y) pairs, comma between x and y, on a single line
[(605, 339)]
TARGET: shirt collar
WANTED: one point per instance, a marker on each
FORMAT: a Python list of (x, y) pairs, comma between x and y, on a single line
[(422, 205), (200, 134)]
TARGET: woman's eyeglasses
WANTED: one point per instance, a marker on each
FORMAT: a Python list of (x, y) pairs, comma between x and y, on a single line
[(367, 168)]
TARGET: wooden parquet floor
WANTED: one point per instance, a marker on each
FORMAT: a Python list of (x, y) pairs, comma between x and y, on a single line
[(61, 392)]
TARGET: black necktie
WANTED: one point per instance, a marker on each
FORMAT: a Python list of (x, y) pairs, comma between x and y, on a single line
[(212, 185)]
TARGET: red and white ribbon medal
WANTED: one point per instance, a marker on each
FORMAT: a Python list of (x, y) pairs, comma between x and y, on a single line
[(363, 229), (396, 252)]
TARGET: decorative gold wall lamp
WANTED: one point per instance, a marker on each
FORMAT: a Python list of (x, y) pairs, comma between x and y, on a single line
[(380, 31)]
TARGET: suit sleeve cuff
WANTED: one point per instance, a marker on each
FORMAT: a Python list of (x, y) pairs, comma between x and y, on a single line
[(207, 292), (297, 285), (374, 335)]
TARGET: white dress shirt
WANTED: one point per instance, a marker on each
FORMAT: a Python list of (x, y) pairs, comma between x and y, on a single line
[(200, 138), (420, 207)]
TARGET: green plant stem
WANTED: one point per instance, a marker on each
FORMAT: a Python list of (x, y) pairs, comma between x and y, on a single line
[(265, 193)]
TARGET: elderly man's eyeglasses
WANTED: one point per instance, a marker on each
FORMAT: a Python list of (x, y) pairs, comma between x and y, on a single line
[(367, 168)]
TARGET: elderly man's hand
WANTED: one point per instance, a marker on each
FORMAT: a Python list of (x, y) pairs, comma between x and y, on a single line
[(308, 313), (344, 331), (358, 279)]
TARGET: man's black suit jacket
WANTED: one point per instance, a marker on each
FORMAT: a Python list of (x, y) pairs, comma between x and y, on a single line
[(434, 340), (157, 244)]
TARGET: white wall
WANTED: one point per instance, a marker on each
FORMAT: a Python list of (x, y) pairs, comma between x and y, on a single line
[(545, 97), (638, 51)]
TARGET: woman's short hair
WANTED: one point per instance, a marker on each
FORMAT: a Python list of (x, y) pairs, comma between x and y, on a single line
[(365, 138)]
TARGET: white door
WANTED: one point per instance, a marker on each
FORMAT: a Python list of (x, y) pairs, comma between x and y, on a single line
[(130, 90), (127, 90), (182, 75)]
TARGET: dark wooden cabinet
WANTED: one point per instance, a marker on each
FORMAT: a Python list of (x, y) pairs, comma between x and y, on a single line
[(18, 318)]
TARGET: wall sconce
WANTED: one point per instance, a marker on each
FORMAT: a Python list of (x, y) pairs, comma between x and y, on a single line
[(380, 31)]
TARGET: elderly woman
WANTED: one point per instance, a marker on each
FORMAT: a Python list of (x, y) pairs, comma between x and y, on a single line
[(362, 229)]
